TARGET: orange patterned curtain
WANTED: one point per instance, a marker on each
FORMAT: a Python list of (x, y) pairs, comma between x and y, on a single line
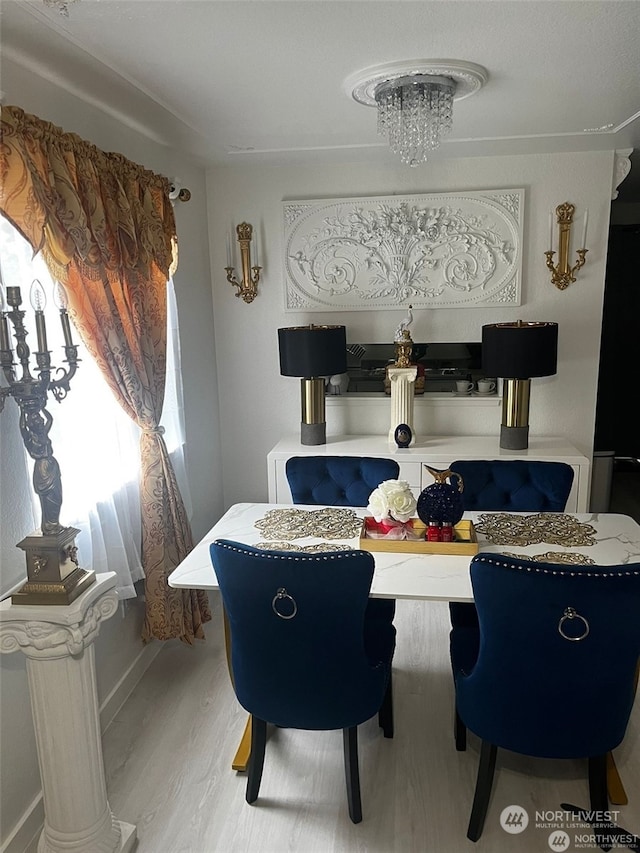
[(106, 229)]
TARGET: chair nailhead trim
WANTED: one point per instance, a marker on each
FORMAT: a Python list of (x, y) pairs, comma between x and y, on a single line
[(335, 555), (540, 570)]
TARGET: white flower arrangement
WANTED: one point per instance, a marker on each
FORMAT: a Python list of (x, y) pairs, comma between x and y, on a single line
[(392, 498)]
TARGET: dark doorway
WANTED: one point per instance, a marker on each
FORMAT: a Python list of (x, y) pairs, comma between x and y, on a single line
[(617, 429)]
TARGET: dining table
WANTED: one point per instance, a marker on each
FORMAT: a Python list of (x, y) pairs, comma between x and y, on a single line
[(404, 571)]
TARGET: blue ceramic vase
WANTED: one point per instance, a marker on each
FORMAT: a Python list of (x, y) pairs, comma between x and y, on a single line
[(442, 500)]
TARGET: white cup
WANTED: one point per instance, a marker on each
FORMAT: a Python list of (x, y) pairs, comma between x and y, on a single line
[(486, 386), (463, 386)]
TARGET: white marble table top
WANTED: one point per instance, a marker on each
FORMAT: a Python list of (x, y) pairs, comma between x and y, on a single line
[(435, 577)]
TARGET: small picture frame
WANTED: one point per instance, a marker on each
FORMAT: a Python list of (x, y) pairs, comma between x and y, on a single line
[(402, 435)]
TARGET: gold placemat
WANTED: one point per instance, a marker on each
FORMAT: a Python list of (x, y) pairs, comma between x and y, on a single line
[(504, 528), (319, 548), (560, 557), (326, 523)]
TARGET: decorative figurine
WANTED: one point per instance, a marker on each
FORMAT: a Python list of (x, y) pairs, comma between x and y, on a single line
[(404, 326), (442, 500)]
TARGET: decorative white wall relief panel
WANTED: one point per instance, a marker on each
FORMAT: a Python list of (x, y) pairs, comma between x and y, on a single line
[(445, 250)]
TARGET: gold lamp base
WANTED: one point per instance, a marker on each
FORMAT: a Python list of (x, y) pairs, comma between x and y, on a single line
[(53, 574), (59, 593), (514, 430), (313, 426)]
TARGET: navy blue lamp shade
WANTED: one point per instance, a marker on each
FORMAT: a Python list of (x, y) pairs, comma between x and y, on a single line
[(519, 350), (309, 351)]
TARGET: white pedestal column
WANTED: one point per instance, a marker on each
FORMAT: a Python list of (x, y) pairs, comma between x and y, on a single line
[(402, 397), (58, 644)]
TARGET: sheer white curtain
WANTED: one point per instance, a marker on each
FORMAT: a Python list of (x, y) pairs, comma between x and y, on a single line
[(94, 441)]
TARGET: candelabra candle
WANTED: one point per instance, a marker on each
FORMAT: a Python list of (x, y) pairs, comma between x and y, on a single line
[(584, 229), (60, 301), (5, 341), (38, 303), (14, 297)]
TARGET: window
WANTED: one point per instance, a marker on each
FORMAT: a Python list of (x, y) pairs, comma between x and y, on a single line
[(93, 439)]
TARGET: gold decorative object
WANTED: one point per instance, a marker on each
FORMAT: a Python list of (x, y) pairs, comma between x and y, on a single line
[(559, 557), (327, 523), (563, 274), (503, 528), (403, 351), (248, 287), (319, 548), (464, 541), (53, 575)]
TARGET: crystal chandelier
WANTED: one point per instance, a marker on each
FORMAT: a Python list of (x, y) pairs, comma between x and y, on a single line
[(415, 101)]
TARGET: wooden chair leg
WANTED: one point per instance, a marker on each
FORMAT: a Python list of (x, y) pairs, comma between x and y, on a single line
[(241, 758), (352, 772), (598, 796), (460, 733), (256, 759), (617, 793), (484, 783), (385, 714)]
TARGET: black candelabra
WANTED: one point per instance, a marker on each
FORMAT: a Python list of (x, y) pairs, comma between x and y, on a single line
[(53, 573)]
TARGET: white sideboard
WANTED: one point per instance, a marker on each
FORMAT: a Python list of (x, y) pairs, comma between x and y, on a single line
[(436, 451)]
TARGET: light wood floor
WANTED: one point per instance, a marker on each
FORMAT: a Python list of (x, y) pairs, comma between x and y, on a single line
[(168, 763)]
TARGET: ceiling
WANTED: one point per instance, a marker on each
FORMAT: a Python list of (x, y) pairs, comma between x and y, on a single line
[(245, 81)]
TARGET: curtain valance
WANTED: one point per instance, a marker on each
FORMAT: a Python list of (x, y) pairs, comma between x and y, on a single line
[(71, 200)]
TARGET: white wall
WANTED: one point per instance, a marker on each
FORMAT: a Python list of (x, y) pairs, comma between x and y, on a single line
[(258, 406), (119, 651)]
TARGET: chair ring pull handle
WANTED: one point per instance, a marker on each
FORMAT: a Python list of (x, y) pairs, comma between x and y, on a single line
[(570, 614), (279, 597)]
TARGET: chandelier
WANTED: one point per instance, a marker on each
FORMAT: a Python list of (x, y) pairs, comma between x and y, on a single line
[(415, 101)]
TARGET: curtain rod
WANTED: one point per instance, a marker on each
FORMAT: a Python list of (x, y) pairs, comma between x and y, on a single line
[(177, 192)]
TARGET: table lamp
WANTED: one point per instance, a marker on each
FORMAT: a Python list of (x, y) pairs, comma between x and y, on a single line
[(516, 352), (312, 352)]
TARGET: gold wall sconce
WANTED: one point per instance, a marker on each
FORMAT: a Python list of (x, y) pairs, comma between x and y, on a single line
[(248, 287), (562, 274)]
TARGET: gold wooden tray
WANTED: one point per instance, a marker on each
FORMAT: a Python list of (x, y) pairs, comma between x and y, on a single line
[(465, 541)]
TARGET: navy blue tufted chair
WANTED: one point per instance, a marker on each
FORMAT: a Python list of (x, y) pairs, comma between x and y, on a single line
[(303, 653), (510, 485), (549, 670), (514, 485), (342, 481), (337, 480)]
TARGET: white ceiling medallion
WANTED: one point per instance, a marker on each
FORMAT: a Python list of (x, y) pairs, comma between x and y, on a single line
[(415, 100)]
